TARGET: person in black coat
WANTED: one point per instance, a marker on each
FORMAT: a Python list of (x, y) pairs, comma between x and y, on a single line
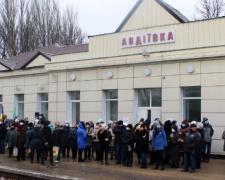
[(73, 140), (46, 143), (104, 137), (57, 138), (65, 140), (3, 131), (142, 136), (118, 130), (191, 142), (174, 141), (199, 150), (128, 140), (35, 142)]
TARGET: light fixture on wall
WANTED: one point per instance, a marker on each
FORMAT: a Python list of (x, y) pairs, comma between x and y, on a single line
[(73, 77), (17, 88), (190, 69), (109, 74), (40, 87), (147, 72), (144, 52)]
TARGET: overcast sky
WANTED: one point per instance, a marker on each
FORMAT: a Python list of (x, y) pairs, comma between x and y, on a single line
[(104, 16)]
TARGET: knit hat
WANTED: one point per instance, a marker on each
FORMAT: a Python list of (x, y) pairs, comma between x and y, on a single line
[(110, 122), (120, 122), (193, 124), (130, 126), (185, 122), (100, 121), (200, 125), (103, 126), (205, 119)]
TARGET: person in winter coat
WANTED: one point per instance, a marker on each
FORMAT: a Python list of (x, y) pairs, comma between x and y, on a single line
[(9, 139), (73, 140), (142, 136), (46, 143), (81, 140), (183, 130), (136, 129), (207, 142), (191, 142), (152, 153), (3, 131), (104, 137), (29, 127), (223, 137), (159, 143), (57, 139), (128, 140), (111, 124), (65, 140), (89, 131), (35, 143), (96, 141), (20, 140), (174, 141), (199, 150), (118, 130)]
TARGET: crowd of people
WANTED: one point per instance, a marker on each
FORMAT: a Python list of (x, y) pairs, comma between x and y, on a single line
[(164, 143)]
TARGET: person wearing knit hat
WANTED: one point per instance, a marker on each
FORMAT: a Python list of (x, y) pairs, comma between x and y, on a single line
[(183, 130), (191, 143), (29, 130), (118, 130), (174, 146), (207, 142), (104, 137), (199, 150), (128, 141)]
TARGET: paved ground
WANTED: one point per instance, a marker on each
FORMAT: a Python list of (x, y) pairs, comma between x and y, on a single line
[(71, 169)]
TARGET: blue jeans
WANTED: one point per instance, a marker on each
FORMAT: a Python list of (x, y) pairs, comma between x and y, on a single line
[(2, 146), (119, 154), (143, 157), (187, 158), (206, 156)]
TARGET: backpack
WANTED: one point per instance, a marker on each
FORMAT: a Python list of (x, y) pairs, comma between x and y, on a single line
[(207, 136)]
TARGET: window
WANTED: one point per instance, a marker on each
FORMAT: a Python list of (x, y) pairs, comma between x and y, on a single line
[(43, 104), (111, 102), (150, 97), (192, 103), (19, 104), (75, 104)]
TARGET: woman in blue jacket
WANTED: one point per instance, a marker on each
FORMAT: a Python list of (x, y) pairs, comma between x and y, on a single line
[(159, 142), (81, 140)]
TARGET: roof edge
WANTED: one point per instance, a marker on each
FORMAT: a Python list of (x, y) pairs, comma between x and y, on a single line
[(129, 15), (5, 66), (162, 3)]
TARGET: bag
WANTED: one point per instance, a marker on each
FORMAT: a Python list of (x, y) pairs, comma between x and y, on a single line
[(129, 148), (207, 136), (55, 151), (15, 152)]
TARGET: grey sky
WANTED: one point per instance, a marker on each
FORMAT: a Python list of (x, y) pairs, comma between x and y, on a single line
[(104, 16)]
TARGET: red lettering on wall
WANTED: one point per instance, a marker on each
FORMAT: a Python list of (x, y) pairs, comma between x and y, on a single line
[(170, 36), (124, 42), (144, 39), (162, 37), (131, 41), (155, 37), (138, 40), (149, 38)]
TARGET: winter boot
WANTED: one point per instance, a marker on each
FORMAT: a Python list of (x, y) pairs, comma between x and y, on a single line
[(144, 166), (176, 164), (172, 165)]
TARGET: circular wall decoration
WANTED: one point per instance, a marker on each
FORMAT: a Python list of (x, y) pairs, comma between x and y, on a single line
[(109, 74), (147, 72), (190, 69), (72, 77)]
